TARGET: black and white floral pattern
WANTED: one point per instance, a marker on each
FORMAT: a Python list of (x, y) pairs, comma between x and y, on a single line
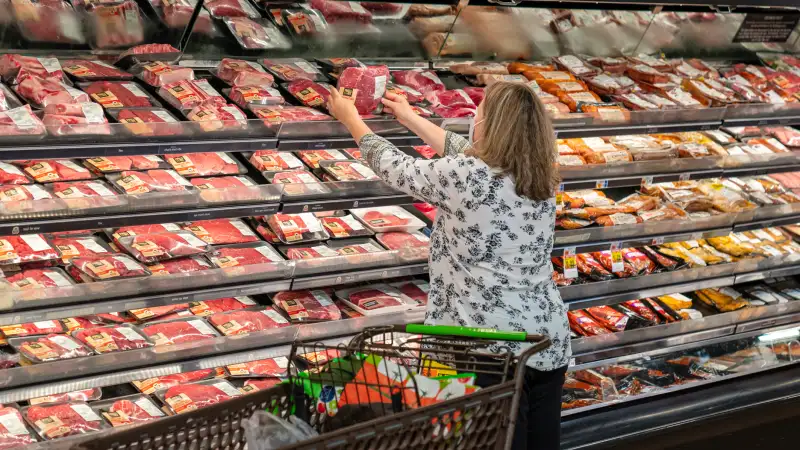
[(490, 249)]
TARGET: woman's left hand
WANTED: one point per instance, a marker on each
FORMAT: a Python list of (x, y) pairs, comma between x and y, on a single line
[(341, 108)]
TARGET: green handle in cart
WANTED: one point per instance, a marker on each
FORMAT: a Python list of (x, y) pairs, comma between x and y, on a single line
[(481, 333)]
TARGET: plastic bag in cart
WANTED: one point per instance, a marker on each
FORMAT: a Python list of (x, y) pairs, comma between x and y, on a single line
[(264, 431)]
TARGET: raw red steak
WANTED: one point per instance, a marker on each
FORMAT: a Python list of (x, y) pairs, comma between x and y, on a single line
[(218, 117), (189, 397), (222, 231), (475, 93), (310, 93), (179, 265), (186, 94), (45, 91), (75, 118), (150, 248), (11, 175), (313, 157), (273, 367), (150, 181), (244, 256), (455, 98), (410, 245), (126, 412), (79, 189), (32, 328), (293, 228), (144, 229), (118, 94), (13, 67), (243, 322), (364, 86), (416, 290), (317, 251), (336, 11), (107, 267), (117, 25), (246, 95), (204, 164), (66, 419), (38, 279), (259, 384), (388, 217), (25, 248), (222, 182), (420, 80), (56, 170), (412, 95), (209, 307), (231, 8), (277, 114), (178, 332), (350, 171), (20, 121), (13, 433), (376, 297), (307, 305), (112, 339), (231, 69), (274, 161), (53, 347), (149, 49), (158, 73), (156, 312), (11, 195), (110, 164), (84, 69), (344, 227), (85, 395), (81, 323), (290, 69), (150, 122), (151, 385), (74, 247), (177, 16), (426, 151)]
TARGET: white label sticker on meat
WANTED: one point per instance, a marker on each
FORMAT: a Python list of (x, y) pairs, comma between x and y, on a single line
[(171, 227), (380, 86), (431, 76), (149, 407), (234, 111), (58, 279), (242, 227), (306, 67), (227, 388), (420, 236), (761, 234), (357, 7), (178, 179), (322, 298), (163, 115), (85, 412), (64, 342), (153, 158), (268, 253), (622, 219), (311, 222), (245, 181), (274, 315), (363, 170), (36, 242), (74, 93), (193, 240), (93, 113), (371, 248), (72, 166), (201, 326), (225, 158), (245, 300), (281, 361), (128, 263), (129, 333), (204, 86), (13, 424), (352, 222), (51, 65), (37, 192), (8, 168), (255, 66), (21, 117), (324, 251), (45, 324), (291, 161), (100, 189), (730, 292)]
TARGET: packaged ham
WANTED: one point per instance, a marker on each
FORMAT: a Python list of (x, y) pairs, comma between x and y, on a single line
[(187, 94), (62, 420), (584, 325), (290, 69), (158, 74), (148, 122), (53, 347), (307, 305), (423, 81), (256, 34), (179, 265), (273, 116), (314, 251), (273, 367), (274, 161), (344, 227), (375, 299), (119, 94), (189, 397), (80, 246), (216, 117), (348, 171), (238, 72), (132, 182), (247, 321), (114, 338), (150, 248), (204, 164), (32, 328), (151, 385), (244, 254), (178, 331), (388, 218), (26, 248), (210, 307), (297, 228), (608, 317), (364, 86), (310, 93), (47, 171), (128, 410), (102, 268)]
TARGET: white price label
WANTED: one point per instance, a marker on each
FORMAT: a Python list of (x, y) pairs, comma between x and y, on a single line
[(36, 242)]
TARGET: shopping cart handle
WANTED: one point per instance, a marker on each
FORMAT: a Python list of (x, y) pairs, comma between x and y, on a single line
[(481, 333)]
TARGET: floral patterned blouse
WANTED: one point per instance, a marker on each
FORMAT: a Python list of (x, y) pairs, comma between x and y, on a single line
[(490, 248)]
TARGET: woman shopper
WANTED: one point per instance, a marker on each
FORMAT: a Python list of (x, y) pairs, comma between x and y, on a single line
[(491, 243)]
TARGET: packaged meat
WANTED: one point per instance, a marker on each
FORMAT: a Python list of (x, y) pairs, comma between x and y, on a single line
[(375, 299), (83, 189), (231, 8), (222, 231), (128, 410), (187, 94), (297, 228), (724, 299), (609, 317), (246, 321), (132, 182), (178, 331), (210, 307), (90, 70), (416, 290), (47, 171), (455, 98), (143, 229), (85, 395), (310, 93), (222, 183), (13, 67), (101, 268), (117, 25), (337, 12), (26, 248), (20, 122), (664, 312), (640, 308), (148, 50), (111, 164), (246, 96), (274, 161), (11, 175), (305, 22), (215, 117), (308, 252), (344, 227), (312, 158), (32, 328), (189, 397), (414, 96), (306, 305), (585, 325), (75, 118), (80, 246), (388, 218), (179, 265), (273, 367), (41, 92), (176, 16), (348, 171), (148, 122), (52, 347), (238, 72), (290, 69), (244, 255), (81, 323), (158, 74), (273, 116), (118, 94), (410, 246), (256, 34), (785, 135), (151, 385), (112, 339), (62, 420), (150, 248), (609, 259), (423, 81), (356, 247), (364, 86), (676, 301), (204, 164), (156, 312), (640, 263), (590, 267)]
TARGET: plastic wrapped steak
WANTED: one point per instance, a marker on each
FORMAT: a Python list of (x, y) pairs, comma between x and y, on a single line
[(245, 321), (210, 307), (11, 175), (274, 161), (204, 164), (127, 412), (222, 231), (38, 279), (25, 248), (62, 420), (244, 256), (157, 247), (111, 164), (51, 348), (151, 385), (114, 94), (107, 267), (178, 331), (56, 170), (364, 86), (32, 328), (375, 297), (189, 397), (349, 171), (307, 305), (310, 93), (150, 122), (13, 433), (131, 182), (112, 339), (179, 265)]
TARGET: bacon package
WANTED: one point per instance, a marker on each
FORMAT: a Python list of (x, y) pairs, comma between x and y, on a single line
[(307, 305), (115, 338), (111, 164), (56, 170), (344, 227), (245, 254), (80, 246), (274, 161), (52, 347), (101, 268), (150, 248), (133, 182), (178, 331), (210, 307), (375, 299), (149, 122), (179, 265), (25, 248), (297, 228), (247, 321), (584, 325)]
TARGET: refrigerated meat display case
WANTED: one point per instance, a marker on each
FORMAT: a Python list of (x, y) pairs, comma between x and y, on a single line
[(176, 205)]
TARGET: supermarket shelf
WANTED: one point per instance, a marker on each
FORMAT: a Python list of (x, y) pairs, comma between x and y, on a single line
[(336, 143), (333, 279), (765, 274), (25, 382)]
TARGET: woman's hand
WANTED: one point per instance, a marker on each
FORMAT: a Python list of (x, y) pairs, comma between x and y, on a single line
[(342, 109), (398, 106)]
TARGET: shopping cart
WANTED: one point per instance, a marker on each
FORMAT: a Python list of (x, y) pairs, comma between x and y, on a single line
[(350, 394)]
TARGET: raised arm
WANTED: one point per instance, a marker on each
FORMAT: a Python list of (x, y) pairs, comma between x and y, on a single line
[(441, 141)]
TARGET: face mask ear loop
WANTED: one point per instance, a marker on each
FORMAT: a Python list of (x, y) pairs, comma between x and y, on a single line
[(472, 131)]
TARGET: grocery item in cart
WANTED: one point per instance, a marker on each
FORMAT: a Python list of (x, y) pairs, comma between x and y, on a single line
[(88, 70), (274, 161), (157, 312), (115, 338), (158, 74), (247, 321), (52, 347), (290, 69), (47, 171), (388, 218), (32, 328), (62, 420), (204, 164), (256, 34), (100, 268), (149, 122), (151, 385), (420, 80), (179, 265), (131, 410), (222, 231), (364, 86), (375, 299), (117, 25), (238, 72), (310, 93), (25, 248), (189, 397), (118, 94), (178, 331), (344, 227), (111, 164), (244, 255), (38, 279), (133, 182), (213, 117), (297, 228), (349, 171), (272, 367), (307, 305), (210, 307), (149, 248)]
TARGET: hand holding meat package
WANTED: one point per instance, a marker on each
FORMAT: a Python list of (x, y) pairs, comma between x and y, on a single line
[(364, 86)]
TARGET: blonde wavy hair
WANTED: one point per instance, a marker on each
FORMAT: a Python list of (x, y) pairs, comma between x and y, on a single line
[(518, 139)]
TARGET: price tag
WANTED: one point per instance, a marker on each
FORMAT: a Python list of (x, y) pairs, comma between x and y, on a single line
[(616, 258), (647, 181), (683, 177), (601, 184), (657, 240), (570, 263)]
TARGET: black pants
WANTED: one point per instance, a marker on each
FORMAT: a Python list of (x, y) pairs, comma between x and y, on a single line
[(539, 419)]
